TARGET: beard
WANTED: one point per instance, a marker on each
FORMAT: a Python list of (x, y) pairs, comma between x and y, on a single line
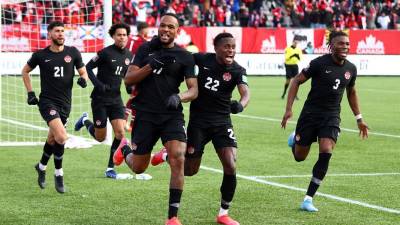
[(58, 42)]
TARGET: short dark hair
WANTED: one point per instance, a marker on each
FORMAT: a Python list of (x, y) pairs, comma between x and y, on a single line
[(173, 15), (221, 36), (141, 25), (335, 34), (54, 24), (116, 26)]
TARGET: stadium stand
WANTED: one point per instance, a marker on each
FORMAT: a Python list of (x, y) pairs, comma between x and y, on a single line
[(355, 14)]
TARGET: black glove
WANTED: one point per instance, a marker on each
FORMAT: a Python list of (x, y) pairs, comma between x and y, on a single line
[(81, 82), (236, 107), (32, 99), (173, 101), (159, 62), (155, 43)]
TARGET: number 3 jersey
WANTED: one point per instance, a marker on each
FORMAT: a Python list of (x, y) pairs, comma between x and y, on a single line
[(56, 72), (329, 80), (216, 83)]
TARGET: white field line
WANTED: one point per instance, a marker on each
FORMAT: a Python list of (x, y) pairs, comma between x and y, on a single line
[(37, 128), (330, 175), (292, 122), (334, 197)]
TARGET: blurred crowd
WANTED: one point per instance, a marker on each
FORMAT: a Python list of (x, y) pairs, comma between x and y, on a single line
[(354, 14), (45, 11)]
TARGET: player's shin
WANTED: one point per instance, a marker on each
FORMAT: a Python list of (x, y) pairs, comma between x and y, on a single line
[(90, 127), (227, 189), (47, 152), (113, 148), (58, 158), (319, 171), (174, 202)]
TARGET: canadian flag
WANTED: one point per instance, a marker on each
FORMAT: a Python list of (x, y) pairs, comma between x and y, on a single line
[(370, 46)]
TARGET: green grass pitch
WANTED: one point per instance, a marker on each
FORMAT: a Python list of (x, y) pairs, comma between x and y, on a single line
[(362, 185)]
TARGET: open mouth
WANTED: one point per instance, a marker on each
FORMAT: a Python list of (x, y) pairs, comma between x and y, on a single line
[(229, 59), (164, 37)]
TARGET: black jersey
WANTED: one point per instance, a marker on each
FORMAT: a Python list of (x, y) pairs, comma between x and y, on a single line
[(216, 83), (156, 88), (56, 72), (329, 80), (112, 63)]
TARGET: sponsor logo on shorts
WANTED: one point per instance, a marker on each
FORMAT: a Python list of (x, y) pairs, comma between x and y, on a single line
[(127, 61), (67, 59), (227, 76), (347, 75), (297, 137), (98, 122), (52, 112)]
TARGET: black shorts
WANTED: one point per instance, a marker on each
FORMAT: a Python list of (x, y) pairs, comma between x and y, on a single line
[(221, 136), (102, 111), (51, 110), (311, 127), (146, 132), (291, 71)]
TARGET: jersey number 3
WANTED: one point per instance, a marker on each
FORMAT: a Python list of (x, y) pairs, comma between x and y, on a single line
[(58, 71), (211, 84), (337, 83)]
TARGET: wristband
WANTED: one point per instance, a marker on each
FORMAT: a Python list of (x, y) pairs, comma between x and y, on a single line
[(358, 117)]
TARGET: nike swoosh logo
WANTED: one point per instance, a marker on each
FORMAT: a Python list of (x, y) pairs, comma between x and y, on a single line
[(113, 60), (328, 71), (206, 68), (47, 60), (151, 54)]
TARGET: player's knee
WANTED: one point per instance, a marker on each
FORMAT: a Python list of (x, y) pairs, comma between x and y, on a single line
[(299, 158), (61, 138), (119, 134), (100, 137), (139, 169), (230, 169), (190, 171)]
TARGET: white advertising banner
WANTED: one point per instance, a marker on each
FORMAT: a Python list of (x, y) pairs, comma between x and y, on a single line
[(255, 64)]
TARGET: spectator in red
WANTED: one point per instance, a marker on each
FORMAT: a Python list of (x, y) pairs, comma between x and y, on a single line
[(220, 16), (351, 22)]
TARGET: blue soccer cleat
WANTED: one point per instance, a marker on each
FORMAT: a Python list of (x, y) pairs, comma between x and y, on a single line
[(291, 140), (111, 174), (79, 124), (308, 206)]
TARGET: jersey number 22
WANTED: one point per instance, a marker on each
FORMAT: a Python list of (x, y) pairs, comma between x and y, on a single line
[(211, 84)]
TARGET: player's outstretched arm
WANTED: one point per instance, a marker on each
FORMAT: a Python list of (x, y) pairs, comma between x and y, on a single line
[(353, 102), (293, 89)]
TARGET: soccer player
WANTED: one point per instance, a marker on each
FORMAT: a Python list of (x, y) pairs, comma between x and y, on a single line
[(56, 63), (133, 45), (210, 117), (112, 63), (157, 71), (319, 120), (293, 55)]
